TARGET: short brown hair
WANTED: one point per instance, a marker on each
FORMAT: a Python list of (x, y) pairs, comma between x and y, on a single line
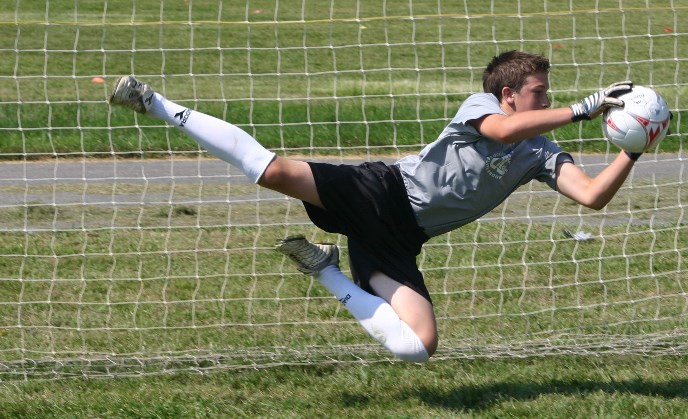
[(511, 69)]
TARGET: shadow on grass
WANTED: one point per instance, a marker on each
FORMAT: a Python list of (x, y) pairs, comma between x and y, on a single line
[(479, 397)]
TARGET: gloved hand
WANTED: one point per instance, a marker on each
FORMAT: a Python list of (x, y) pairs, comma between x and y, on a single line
[(633, 156), (598, 102)]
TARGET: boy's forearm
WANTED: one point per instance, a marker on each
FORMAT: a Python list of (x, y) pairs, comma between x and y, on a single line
[(608, 182)]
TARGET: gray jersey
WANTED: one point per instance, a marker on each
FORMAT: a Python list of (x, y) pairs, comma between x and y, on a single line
[(463, 175)]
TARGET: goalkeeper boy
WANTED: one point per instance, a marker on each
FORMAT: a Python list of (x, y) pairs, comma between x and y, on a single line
[(492, 146)]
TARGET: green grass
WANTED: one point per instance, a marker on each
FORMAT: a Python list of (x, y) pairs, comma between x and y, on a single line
[(125, 292), (327, 85), (577, 387)]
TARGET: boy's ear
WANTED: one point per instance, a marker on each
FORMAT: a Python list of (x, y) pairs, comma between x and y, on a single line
[(508, 95)]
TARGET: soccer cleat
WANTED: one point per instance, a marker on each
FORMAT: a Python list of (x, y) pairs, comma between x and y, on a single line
[(310, 258), (131, 93)]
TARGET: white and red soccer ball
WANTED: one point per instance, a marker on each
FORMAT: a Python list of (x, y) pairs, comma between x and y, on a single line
[(641, 124)]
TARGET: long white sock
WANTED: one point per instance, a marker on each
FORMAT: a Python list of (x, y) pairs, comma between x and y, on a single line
[(226, 141), (376, 316)]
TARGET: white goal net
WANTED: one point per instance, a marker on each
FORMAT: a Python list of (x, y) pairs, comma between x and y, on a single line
[(127, 250)]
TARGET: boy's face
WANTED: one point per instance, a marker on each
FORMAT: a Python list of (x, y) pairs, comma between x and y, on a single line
[(533, 94)]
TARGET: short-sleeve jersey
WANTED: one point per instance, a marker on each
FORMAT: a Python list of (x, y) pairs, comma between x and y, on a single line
[(463, 175)]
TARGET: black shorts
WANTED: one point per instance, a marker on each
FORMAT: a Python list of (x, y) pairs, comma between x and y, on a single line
[(368, 204)]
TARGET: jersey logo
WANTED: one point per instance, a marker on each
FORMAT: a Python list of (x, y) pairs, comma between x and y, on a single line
[(497, 165)]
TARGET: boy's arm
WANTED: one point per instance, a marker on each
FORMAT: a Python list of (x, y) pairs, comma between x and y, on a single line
[(595, 192), (522, 125), (519, 126)]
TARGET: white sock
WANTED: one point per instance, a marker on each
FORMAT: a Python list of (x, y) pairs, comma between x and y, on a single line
[(226, 141), (376, 316)]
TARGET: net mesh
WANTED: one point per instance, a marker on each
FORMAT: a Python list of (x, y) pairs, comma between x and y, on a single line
[(127, 250)]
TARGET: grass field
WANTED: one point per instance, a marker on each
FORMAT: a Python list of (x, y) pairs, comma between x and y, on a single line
[(184, 280), (562, 386), (376, 86)]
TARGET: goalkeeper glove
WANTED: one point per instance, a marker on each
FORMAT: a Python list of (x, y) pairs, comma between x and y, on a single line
[(633, 156), (599, 101)]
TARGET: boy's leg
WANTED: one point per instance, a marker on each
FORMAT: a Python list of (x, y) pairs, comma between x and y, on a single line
[(412, 308), (293, 178), (410, 339), (226, 141), (375, 314)]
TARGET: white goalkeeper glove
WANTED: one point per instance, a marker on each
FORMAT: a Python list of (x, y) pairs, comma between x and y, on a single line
[(598, 102)]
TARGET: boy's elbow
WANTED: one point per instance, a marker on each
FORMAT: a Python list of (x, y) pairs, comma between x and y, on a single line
[(595, 204), (591, 201), (507, 137)]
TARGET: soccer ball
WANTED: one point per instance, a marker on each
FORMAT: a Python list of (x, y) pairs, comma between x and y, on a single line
[(642, 123)]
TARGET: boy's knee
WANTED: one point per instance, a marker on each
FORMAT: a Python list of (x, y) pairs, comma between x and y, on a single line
[(420, 356), (408, 346)]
